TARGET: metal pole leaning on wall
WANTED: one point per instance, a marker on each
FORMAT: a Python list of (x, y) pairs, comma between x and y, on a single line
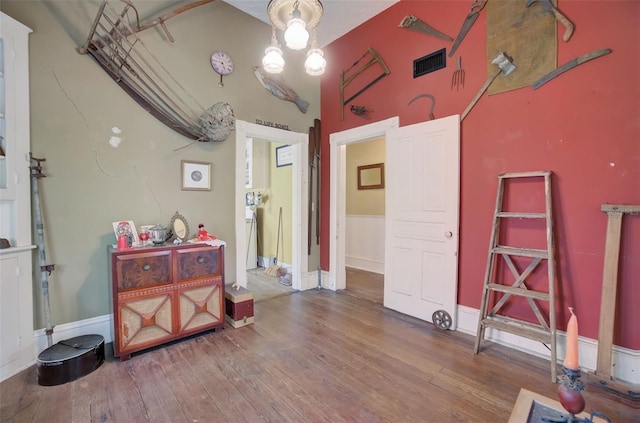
[(46, 269)]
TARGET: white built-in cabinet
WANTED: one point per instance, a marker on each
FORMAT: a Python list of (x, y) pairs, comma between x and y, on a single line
[(16, 280)]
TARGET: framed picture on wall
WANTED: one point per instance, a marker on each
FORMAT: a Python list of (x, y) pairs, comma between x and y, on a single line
[(284, 155), (371, 176), (196, 176)]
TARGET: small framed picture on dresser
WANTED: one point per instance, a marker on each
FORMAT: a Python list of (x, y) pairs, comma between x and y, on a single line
[(125, 228)]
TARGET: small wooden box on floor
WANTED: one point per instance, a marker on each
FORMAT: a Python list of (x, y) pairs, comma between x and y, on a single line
[(239, 306)]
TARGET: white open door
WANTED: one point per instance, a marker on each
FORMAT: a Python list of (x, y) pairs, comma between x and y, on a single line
[(421, 218)]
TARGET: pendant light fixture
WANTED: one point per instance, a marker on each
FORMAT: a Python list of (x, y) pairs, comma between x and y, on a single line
[(296, 34), (295, 18), (273, 61), (315, 63)]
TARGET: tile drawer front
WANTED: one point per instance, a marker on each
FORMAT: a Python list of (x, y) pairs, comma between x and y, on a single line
[(200, 307), (145, 322)]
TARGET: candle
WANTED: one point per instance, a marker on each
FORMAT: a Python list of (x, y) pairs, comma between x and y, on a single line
[(571, 356)]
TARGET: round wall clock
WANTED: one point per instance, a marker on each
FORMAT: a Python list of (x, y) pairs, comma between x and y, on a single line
[(222, 64)]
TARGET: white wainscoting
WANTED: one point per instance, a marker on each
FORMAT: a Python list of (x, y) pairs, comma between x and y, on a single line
[(364, 246)]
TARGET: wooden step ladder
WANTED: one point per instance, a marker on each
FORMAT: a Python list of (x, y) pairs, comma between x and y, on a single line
[(545, 330)]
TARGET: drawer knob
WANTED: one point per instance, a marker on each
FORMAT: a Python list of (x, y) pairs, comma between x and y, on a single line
[(146, 267), (200, 259)]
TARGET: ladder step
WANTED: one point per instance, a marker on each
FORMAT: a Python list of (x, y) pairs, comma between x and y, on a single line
[(519, 327), (524, 174), (610, 208), (522, 215), (521, 292), (522, 252)]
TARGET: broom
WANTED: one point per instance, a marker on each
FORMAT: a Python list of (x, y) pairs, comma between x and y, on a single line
[(274, 269)]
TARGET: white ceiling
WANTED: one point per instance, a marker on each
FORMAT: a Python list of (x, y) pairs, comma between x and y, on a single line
[(340, 16)]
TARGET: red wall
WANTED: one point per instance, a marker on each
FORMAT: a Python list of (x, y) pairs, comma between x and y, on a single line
[(584, 126)]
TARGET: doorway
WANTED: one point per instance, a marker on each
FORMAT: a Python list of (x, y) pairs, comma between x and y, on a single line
[(365, 285), (268, 212), (421, 219), (299, 153), (337, 237), (365, 219)]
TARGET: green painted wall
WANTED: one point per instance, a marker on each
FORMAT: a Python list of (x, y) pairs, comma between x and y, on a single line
[(90, 183)]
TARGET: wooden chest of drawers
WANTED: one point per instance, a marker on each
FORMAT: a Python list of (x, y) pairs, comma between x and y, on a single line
[(160, 294)]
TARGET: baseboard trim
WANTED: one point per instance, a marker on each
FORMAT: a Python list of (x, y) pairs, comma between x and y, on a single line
[(365, 264), (625, 362), (100, 325)]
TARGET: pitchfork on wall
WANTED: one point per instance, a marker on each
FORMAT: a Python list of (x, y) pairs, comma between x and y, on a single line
[(457, 79)]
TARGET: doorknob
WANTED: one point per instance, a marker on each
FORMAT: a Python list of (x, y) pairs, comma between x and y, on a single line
[(448, 234)]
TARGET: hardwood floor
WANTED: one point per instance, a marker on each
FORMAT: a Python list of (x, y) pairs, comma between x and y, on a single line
[(360, 283), (313, 356), (265, 287), (363, 284)]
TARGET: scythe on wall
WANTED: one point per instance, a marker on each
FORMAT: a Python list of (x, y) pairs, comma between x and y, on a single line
[(114, 44)]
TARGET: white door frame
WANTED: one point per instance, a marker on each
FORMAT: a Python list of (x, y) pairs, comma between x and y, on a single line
[(299, 222), (338, 212)]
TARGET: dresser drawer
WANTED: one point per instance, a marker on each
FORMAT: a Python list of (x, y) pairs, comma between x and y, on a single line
[(198, 262), (136, 271)]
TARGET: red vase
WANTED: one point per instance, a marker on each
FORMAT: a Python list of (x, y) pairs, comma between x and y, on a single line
[(571, 399)]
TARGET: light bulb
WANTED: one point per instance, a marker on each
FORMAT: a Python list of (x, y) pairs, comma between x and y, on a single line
[(315, 64), (296, 35), (273, 61)]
